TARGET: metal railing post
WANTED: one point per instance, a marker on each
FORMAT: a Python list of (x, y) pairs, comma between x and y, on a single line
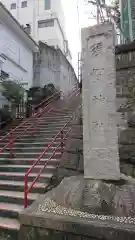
[(62, 143), (35, 127), (25, 191), (11, 143), (35, 130), (62, 135)]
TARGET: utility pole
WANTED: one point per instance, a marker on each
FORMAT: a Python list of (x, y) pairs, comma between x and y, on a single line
[(98, 12), (17, 6), (78, 18), (34, 18)]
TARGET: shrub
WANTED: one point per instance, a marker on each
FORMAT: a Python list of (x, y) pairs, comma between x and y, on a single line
[(12, 91), (37, 94), (5, 116)]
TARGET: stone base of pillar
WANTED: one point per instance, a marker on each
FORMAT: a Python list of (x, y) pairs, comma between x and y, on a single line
[(110, 197)]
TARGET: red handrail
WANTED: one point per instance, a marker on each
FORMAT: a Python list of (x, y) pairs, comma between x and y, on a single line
[(73, 93), (12, 140), (61, 133), (44, 101), (21, 124)]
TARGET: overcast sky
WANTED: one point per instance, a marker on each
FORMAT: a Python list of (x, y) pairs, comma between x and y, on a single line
[(75, 20)]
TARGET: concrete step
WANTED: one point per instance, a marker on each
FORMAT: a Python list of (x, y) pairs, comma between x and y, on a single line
[(59, 110), (56, 117), (31, 149), (43, 126), (51, 138), (19, 176), (36, 136), (24, 144), (43, 122), (47, 138), (52, 121), (39, 127), (40, 140), (6, 154), (34, 139), (9, 210), (9, 224), (28, 161), (25, 168), (40, 132), (45, 130), (16, 197), (39, 135), (29, 144), (19, 186), (50, 125)]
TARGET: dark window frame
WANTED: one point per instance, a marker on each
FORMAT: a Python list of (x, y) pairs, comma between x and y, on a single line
[(46, 23), (4, 75), (47, 4), (11, 6), (24, 4)]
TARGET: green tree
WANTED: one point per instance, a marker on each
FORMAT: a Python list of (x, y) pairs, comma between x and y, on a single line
[(37, 94), (12, 91), (107, 11)]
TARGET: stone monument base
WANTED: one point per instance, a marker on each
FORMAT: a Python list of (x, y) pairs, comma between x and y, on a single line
[(79, 209), (115, 198)]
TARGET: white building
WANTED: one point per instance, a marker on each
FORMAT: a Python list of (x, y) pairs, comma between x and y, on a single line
[(44, 19), (16, 50), (52, 66)]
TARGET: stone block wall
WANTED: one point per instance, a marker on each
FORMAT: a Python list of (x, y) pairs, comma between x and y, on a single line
[(125, 86), (125, 81), (47, 234)]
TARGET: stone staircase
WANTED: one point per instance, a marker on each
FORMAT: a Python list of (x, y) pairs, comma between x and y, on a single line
[(25, 152)]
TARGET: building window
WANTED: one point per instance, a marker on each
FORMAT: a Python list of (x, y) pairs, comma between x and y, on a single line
[(24, 4), (47, 4), (13, 6), (4, 75), (45, 23)]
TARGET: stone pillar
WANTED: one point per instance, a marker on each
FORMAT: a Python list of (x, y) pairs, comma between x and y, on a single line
[(100, 140)]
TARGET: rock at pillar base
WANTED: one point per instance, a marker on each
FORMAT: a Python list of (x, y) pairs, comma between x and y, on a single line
[(100, 138), (110, 198), (96, 196)]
